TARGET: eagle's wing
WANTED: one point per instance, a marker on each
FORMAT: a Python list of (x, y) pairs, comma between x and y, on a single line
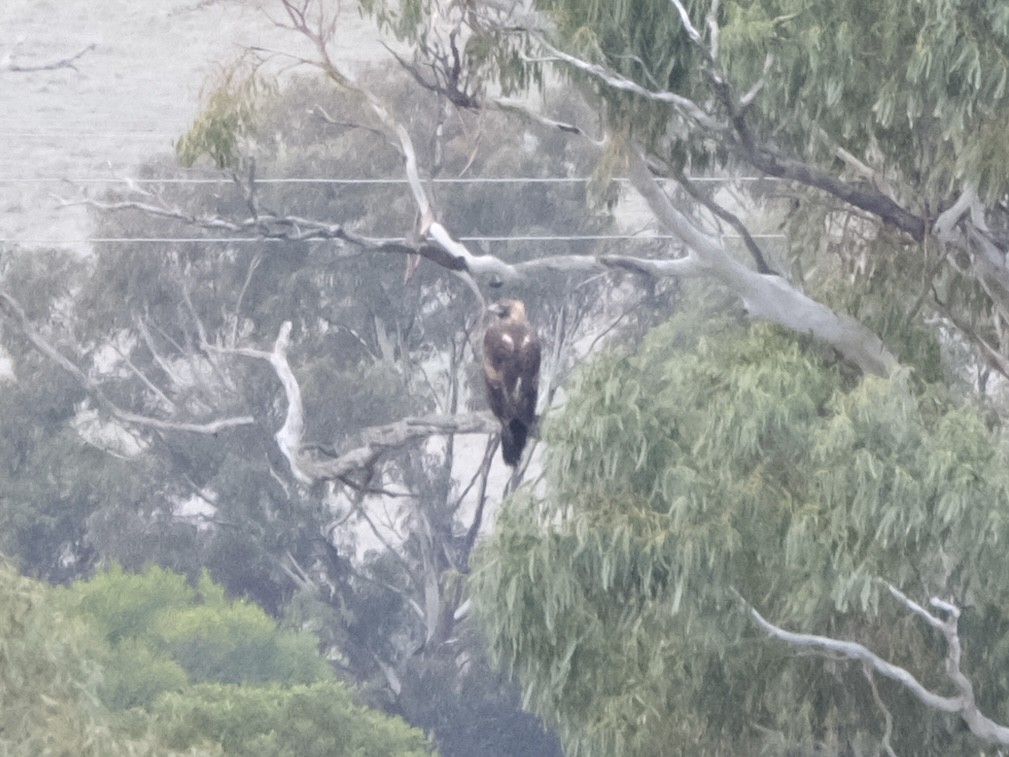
[(527, 387), (498, 356)]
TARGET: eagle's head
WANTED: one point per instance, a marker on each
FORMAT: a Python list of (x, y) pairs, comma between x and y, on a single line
[(511, 311)]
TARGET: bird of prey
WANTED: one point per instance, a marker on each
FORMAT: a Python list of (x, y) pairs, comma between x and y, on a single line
[(511, 367)]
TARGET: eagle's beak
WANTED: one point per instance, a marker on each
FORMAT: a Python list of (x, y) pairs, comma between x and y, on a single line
[(498, 310)]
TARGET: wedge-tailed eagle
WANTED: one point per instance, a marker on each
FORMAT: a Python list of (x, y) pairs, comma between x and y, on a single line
[(511, 367)]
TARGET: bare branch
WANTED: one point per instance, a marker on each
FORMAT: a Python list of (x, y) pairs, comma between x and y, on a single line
[(318, 110), (711, 19), (256, 260), (474, 528), (448, 252), (450, 88), (685, 18), (963, 226), (865, 198), (751, 94), (308, 465), (289, 436), (380, 440), (8, 64), (963, 705), (162, 362), (887, 717), (13, 310), (514, 107), (854, 651), (151, 387)]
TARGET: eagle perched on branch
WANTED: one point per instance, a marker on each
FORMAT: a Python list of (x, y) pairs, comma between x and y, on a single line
[(511, 369)]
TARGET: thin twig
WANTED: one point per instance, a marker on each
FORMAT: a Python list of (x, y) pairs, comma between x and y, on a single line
[(70, 62)]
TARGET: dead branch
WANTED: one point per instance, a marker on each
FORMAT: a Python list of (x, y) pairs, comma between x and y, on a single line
[(448, 253), (514, 107), (379, 440), (445, 79), (13, 310), (307, 462), (8, 64)]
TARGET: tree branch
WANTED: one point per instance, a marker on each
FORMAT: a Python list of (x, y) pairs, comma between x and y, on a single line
[(772, 163), (859, 195), (730, 218), (770, 298), (963, 705), (8, 64), (378, 440), (684, 105), (308, 464), (13, 310)]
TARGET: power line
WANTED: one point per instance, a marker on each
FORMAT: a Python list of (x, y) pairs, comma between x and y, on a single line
[(369, 181), (246, 240), (78, 133)]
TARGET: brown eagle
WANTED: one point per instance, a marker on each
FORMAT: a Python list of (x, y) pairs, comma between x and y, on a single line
[(511, 369)]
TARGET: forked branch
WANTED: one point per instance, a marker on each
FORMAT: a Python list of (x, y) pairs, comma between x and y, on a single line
[(310, 463), (963, 704), (12, 309)]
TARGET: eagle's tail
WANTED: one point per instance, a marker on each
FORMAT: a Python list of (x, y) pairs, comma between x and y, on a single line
[(513, 441)]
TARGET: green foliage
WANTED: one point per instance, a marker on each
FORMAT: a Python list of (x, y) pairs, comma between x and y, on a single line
[(720, 462), (499, 53), (163, 634), (229, 117), (135, 673), (316, 720), (125, 605), (237, 643), (642, 40), (49, 680), (917, 85), (150, 651), (921, 82)]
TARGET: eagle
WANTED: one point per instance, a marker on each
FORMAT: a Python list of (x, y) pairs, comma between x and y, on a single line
[(511, 369)]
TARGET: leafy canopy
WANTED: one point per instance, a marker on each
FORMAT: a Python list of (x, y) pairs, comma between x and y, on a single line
[(720, 462), (917, 87), (314, 720), (183, 668), (163, 634), (50, 679)]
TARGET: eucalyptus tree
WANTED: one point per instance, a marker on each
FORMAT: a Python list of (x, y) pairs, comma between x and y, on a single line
[(725, 484), (50, 680), (185, 399), (74, 660), (880, 127), (883, 128)]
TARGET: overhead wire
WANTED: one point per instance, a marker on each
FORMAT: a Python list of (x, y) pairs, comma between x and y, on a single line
[(252, 239), (358, 181)]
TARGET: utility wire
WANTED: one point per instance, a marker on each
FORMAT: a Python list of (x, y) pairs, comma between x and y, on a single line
[(364, 181), (245, 240), (510, 180)]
